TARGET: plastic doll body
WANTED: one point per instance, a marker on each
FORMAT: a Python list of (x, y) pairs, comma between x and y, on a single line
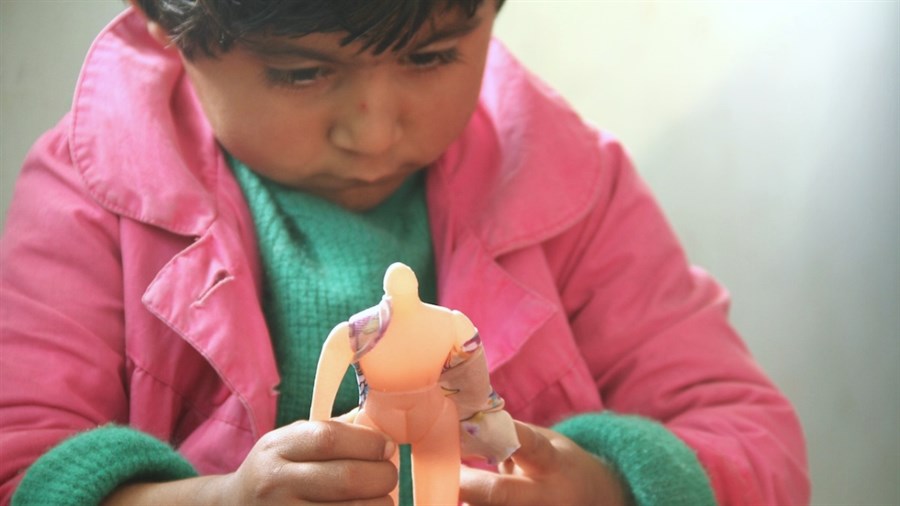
[(402, 371)]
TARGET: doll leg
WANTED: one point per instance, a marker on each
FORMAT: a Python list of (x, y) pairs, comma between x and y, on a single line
[(436, 461), (363, 419)]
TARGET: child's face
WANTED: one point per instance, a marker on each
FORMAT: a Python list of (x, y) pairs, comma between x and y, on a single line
[(344, 125)]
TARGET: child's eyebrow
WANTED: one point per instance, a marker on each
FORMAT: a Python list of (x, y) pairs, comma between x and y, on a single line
[(283, 49)]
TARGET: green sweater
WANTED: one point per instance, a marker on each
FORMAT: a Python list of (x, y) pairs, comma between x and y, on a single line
[(321, 260)]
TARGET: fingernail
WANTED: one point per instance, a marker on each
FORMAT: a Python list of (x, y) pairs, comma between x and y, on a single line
[(389, 448)]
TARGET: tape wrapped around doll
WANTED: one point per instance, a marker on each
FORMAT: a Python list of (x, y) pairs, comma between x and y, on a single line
[(486, 429)]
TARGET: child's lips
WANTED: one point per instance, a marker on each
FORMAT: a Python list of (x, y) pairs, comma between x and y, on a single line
[(388, 177), (361, 183)]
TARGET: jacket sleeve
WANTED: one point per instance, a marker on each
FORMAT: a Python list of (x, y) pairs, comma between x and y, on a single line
[(89, 466), (655, 334), (62, 364)]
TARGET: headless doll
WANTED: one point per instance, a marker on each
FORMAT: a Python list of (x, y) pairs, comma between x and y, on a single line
[(400, 349)]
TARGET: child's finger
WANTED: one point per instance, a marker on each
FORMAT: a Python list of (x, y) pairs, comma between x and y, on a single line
[(340, 480), (536, 455), (478, 487), (330, 440)]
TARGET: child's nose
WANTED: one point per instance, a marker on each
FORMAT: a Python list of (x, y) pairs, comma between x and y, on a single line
[(368, 121)]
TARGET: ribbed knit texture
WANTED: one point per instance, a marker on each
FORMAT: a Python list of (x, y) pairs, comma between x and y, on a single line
[(322, 264), (87, 467), (658, 467)]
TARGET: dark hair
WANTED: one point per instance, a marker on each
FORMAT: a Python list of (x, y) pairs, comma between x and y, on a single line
[(213, 26)]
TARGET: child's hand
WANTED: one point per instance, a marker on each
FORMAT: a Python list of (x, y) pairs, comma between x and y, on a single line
[(302, 463), (312, 462), (547, 469)]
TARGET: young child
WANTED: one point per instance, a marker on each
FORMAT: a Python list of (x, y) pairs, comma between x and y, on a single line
[(232, 181)]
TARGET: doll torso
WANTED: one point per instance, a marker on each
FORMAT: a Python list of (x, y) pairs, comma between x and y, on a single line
[(410, 355)]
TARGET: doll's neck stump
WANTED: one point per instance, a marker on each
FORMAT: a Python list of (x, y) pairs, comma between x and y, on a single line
[(400, 283)]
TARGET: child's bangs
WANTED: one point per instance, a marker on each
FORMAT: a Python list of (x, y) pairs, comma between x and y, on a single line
[(379, 24)]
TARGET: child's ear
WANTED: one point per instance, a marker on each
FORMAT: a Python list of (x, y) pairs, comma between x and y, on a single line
[(156, 30), (159, 33)]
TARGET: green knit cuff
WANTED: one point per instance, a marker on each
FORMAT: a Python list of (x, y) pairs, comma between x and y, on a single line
[(656, 465), (89, 466)]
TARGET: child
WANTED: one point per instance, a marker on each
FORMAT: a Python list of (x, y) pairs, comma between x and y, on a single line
[(231, 182)]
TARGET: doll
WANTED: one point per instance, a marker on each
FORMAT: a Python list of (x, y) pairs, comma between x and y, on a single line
[(423, 381)]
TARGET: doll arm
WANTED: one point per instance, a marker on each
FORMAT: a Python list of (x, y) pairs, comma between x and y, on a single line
[(488, 430), (333, 362)]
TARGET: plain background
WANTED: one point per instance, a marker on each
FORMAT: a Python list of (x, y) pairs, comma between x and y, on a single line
[(770, 132)]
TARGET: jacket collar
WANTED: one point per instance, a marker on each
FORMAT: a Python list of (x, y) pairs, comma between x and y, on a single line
[(145, 151), (509, 182), (138, 135), (526, 167)]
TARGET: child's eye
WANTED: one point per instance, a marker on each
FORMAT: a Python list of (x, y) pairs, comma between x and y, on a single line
[(296, 77), (431, 59)]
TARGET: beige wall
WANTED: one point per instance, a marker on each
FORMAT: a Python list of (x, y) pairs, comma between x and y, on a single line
[(771, 134)]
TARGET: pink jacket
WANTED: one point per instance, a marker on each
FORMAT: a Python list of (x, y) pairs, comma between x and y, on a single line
[(131, 283)]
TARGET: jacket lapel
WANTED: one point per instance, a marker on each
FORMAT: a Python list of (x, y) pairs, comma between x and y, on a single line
[(139, 137), (509, 183), (202, 294), (505, 312), (146, 152)]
